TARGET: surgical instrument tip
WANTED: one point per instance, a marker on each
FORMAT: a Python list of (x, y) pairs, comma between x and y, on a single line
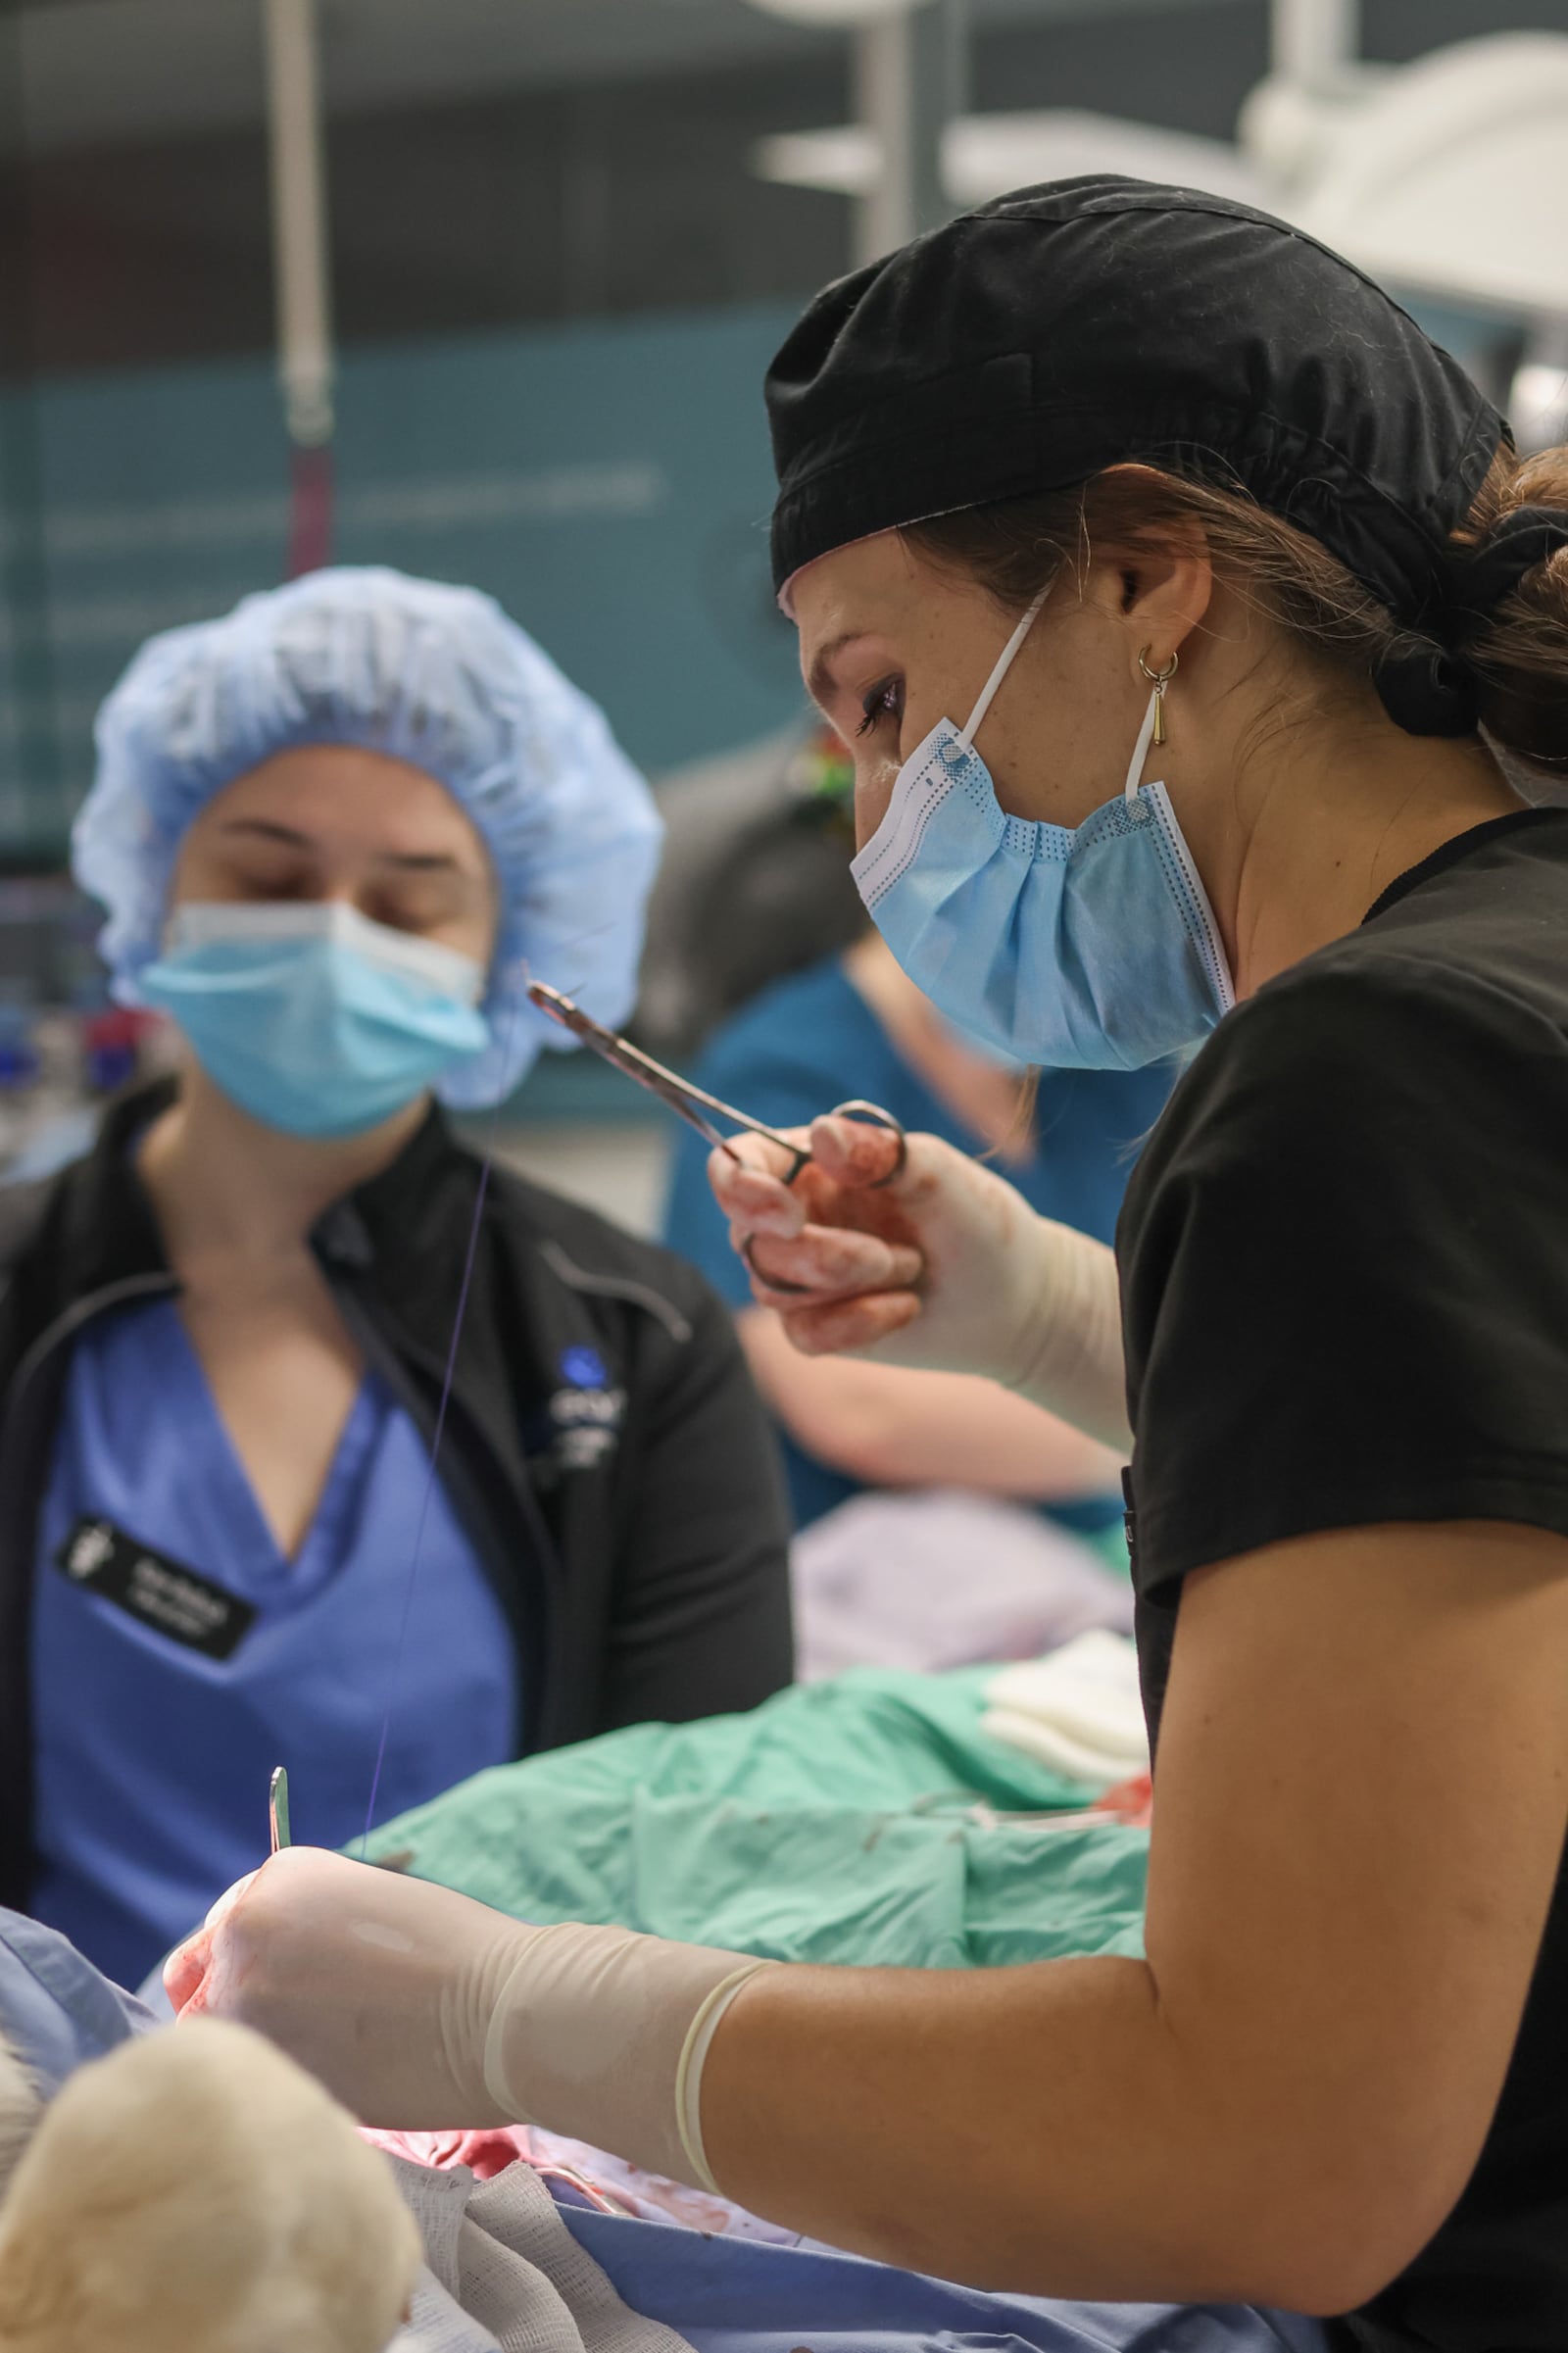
[(277, 1808)]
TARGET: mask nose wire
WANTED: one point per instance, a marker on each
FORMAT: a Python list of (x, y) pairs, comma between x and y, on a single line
[(1004, 662), (1146, 736)]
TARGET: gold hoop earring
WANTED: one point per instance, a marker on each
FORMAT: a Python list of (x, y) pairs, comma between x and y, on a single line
[(1159, 680)]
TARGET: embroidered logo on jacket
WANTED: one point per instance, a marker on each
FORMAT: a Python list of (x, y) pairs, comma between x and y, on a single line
[(585, 1412)]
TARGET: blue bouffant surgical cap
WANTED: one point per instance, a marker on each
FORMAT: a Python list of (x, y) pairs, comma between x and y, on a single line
[(431, 674)]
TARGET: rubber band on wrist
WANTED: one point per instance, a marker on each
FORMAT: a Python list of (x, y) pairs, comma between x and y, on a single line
[(689, 2074)]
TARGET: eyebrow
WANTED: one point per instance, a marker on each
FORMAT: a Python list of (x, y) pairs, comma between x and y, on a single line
[(267, 829), (821, 683)]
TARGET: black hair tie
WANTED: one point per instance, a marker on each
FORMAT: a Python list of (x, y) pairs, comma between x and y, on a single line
[(1485, 575), (1426, 689)]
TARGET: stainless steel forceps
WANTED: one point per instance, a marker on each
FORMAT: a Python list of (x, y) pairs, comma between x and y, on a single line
[(699, 1110)]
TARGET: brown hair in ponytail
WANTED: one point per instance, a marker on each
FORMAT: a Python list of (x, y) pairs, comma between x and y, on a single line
[(1519, 654)]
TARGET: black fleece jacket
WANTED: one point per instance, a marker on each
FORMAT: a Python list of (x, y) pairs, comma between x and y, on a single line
[(632, 1521)]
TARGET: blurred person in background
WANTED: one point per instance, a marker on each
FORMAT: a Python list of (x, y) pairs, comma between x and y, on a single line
[(848, 1025), (334, 832)]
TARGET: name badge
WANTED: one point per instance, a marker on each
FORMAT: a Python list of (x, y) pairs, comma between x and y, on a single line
[(162, 1594)]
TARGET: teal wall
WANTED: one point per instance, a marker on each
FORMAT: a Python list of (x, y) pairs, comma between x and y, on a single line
[(608, 482)]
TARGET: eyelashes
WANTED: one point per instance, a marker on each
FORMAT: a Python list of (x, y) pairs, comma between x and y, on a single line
[(884, 701)]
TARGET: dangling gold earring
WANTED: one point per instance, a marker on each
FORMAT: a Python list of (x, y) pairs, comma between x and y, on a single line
[(1159, 680)]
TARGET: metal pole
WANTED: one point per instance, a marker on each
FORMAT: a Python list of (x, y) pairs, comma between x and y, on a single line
[(32, 799), (1315, 40), (911, 75), (299, 258)]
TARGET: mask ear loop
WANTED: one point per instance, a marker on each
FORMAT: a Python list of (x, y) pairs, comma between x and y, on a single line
[(1005, 662), (1146, 736)]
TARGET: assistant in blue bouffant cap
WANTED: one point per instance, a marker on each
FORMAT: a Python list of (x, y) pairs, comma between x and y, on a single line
[(343, 1449)]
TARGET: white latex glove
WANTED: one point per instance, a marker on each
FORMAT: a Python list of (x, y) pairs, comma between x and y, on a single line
[(944, 1266), (420, 2008)]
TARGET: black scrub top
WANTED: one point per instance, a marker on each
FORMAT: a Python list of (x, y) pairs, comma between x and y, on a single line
[(1344, 1277)]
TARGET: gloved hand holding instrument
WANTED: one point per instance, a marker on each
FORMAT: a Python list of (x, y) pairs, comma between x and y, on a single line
[(869, 1240), (932, 1261), (418, 2007)]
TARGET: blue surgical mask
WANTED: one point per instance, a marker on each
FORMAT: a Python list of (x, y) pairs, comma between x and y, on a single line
[(1082, 948), (310, 1016)]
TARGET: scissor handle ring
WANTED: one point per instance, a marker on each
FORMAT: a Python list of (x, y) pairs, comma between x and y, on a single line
[(872, 1114), (798, 1291)]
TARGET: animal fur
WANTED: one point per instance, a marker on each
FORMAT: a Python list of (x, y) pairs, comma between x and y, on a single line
[(195, 2189), (19, 2108)]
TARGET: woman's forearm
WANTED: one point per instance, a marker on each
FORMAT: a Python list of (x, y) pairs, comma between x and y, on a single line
[(890, 1426), (1031, 2129)]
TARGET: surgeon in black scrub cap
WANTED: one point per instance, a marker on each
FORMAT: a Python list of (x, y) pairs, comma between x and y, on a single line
[(1203, 647)]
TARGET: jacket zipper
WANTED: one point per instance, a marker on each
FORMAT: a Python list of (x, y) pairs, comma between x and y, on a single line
[(615, 1287)]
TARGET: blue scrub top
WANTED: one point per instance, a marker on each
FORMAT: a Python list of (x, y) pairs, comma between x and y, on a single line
[(178, 1656), (812, 1041)]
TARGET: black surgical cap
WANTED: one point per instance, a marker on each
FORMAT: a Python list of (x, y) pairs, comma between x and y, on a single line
[(1091, 322)]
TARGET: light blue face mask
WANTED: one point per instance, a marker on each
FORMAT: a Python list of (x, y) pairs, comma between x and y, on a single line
[(1081, 948), (310, 1016)]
